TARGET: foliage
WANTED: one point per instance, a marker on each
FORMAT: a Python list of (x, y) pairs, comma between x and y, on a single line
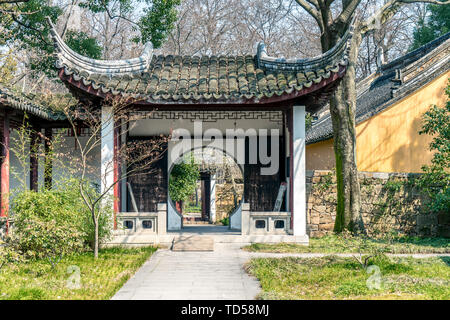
[(8, 67), (158, 21), (25, 25), (85, 223), (436, 25), (53, 223), (155, 22), (192, 208), (225, 221), (99, 279), (183, 180), (83, 44), (9, 255), (435, 181), (334, 277), (40, 238)]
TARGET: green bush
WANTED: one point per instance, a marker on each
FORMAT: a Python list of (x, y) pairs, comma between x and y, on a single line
[(9, 255), (183, 180), (435, 181), (37, 239), (53, 223), (225, 221)]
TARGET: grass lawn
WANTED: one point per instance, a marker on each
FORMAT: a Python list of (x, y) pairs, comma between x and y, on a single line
[(99, 279), (339, 244), (334, 277)]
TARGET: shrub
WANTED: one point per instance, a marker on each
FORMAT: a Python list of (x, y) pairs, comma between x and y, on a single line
[(9, 255), (436, 178), (183, 180), (37, 238), (225, 221), (52, 223)]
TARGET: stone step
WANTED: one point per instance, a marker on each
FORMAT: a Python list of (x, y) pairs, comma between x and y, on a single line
[(193, 243), (194, 220)]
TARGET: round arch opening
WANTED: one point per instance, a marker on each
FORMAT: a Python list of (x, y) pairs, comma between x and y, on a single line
[(206, 185)]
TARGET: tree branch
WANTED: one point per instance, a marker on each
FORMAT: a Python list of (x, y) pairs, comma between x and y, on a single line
[(348, 10), (312, 12), (389, 10)]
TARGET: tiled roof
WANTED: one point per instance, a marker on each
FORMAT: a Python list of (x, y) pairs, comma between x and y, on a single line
[(393, 82), (8, 99), (202, 79)]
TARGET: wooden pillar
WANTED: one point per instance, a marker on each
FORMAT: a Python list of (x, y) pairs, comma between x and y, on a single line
[(34, 158), (5, 169), (48, 165), (117, 170)]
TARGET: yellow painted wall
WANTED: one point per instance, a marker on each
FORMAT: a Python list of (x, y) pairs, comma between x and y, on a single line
[(320, 155), (389, 141)]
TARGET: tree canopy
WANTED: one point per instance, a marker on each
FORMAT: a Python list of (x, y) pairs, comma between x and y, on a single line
[(24, 25), (434, 25), (183, 180)]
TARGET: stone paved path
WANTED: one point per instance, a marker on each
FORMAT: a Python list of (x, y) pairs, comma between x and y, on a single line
[(217, 275)]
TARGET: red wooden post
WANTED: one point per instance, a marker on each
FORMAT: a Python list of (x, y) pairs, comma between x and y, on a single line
[(34, 149), (4, 192), (117, 175)]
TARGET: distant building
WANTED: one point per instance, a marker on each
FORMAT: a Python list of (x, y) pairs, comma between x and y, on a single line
[(389, 112)]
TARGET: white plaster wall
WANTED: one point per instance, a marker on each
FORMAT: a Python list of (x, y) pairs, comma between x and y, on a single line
[(69, 152), (236, 219), (174, 220)]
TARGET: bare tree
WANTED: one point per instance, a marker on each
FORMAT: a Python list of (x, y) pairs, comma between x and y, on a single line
[(135, 158)]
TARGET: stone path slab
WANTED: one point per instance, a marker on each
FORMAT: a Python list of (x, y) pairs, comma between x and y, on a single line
[(174, 275), (193, 243)]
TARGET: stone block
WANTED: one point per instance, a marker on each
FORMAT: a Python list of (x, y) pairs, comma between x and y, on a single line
[(326, 227), (320, 209), (315, 219), (381, 175), (325, 218)]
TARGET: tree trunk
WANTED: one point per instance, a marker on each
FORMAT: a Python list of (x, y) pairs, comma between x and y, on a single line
[(342, 110), (96, 240)]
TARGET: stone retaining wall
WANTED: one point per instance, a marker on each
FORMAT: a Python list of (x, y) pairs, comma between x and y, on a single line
[(390, 202)]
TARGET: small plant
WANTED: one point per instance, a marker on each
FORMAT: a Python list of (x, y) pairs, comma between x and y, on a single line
[(366, 251), (225, 221)]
